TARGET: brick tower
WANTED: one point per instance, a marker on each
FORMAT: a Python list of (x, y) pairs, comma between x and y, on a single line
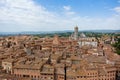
[(76, 33)]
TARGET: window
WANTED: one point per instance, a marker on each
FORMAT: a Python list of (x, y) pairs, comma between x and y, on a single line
[(51, 77)]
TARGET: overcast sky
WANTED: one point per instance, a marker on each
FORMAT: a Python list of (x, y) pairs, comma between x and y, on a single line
[(58, 15)]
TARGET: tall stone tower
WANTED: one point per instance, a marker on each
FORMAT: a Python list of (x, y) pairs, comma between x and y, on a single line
[(76, 33)]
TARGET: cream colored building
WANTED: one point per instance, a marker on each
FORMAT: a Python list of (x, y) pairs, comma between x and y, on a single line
[(7, 65)]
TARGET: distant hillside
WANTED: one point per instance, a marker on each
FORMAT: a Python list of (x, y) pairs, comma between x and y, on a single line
[(104, 31), (52, 32)]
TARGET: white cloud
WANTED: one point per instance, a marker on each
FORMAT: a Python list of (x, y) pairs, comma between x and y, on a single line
[(68, 11), (23, 15), (67, 8), (24, 12), (117, 9)]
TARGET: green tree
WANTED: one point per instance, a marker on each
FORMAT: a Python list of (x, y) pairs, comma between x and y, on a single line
[(117, 46)]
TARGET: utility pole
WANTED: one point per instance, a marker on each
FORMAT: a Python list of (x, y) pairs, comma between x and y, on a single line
[(65, 77), (55, 76)]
